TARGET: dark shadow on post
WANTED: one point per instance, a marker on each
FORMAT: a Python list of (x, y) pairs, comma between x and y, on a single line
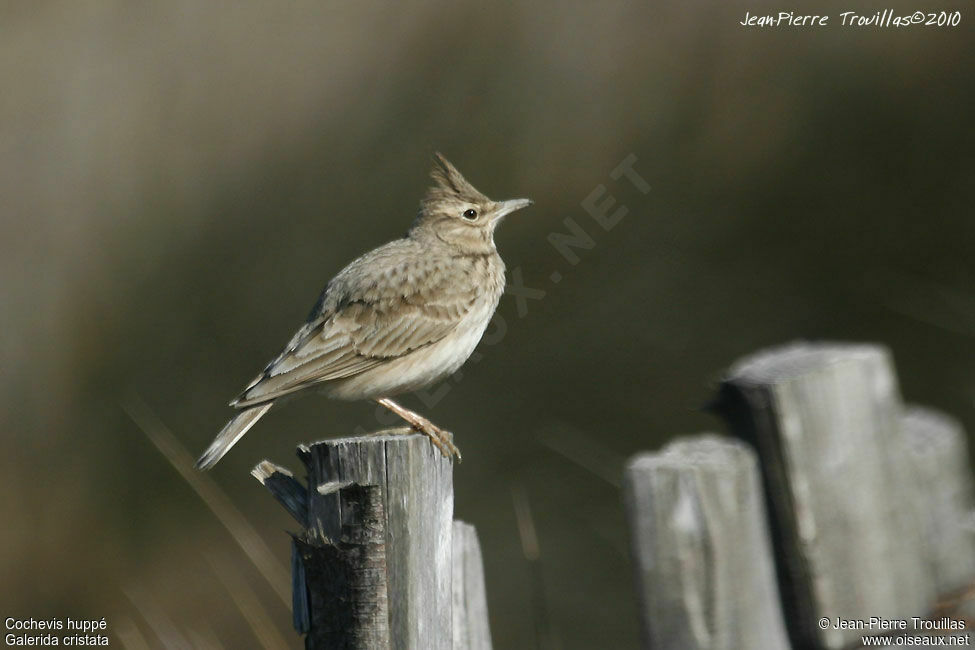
[(345, 579)]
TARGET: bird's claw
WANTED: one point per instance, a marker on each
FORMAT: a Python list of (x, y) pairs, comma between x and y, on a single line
[(441, 439)]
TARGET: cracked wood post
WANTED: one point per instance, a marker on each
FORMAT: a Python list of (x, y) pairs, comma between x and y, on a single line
[(373, 566), (700, 546), (825, 420)]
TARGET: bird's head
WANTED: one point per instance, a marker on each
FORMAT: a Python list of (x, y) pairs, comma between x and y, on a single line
[(454, 212)]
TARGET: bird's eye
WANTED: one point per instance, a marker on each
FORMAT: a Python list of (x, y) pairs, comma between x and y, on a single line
[(470, 214)]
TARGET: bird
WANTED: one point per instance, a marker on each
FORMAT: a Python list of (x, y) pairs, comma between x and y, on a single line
[(396, 319)]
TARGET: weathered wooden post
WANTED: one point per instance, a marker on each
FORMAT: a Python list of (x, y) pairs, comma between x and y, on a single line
[(945, 496), (700, 544), (870, 508), (826, 422), (471, 631), (373, 566)]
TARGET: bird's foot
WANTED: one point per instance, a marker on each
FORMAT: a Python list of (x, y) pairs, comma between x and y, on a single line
[(441, 439)]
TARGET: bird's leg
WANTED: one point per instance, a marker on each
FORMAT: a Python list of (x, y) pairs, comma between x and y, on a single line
[(441, 438)]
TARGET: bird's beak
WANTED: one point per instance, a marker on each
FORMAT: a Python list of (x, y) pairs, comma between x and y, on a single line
[(507, 207)]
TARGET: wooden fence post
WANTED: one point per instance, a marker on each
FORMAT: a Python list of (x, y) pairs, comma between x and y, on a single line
[(942, 483), (825, 420), (373, 565), (701, 549), (471, 631)]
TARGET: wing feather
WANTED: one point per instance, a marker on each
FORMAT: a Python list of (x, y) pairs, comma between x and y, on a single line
[(361, 327)]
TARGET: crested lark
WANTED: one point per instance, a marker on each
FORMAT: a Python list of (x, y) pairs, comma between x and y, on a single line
[(397, 319)]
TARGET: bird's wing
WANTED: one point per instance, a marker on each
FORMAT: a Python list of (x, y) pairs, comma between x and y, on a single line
[(364, 329)]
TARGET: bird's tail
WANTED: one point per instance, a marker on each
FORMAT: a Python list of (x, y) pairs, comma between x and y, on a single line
[(230, 434)]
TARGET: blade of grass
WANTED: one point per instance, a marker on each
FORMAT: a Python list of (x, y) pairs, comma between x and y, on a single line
[(249, 605), (215, 498)]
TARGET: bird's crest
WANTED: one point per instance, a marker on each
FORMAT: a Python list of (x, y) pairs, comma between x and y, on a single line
[(450, 185)]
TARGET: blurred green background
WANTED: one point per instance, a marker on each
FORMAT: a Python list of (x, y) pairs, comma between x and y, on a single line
[(180, 179)]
